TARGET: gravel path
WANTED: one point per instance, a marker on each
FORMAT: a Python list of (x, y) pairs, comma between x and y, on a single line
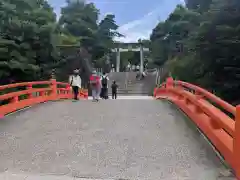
[(112, 139)]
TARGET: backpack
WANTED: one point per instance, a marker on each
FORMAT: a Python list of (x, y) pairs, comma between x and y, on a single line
[(104, 81)]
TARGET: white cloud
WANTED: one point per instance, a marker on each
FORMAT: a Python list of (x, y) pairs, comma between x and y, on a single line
[(183, 2), (139, 28), (109, 13)]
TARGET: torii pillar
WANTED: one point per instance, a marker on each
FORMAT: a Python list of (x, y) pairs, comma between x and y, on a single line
[(141, 58), (118, 60)]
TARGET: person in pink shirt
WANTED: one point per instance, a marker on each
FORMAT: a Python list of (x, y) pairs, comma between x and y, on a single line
[(95, 84)]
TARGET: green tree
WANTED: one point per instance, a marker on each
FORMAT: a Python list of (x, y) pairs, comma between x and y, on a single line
[(27, 39), (217, 43), (80, 20), (168, 38), (33, 43), (107, 31), (208, 32), (198, 5)]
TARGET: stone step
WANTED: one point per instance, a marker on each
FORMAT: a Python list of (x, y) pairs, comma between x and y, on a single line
[(135, 89), (134, 86), (131, 93), (125, 91)]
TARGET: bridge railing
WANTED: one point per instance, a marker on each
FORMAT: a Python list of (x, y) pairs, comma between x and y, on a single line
[(217, 119), (19, 95)]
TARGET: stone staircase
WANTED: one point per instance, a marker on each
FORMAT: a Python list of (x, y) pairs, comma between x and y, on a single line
[(130, 86)]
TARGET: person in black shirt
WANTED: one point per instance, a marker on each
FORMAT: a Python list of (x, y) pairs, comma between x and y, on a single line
[(114, 90), (104, 91)]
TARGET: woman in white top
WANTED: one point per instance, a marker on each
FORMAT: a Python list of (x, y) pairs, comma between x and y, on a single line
[(75, 81)]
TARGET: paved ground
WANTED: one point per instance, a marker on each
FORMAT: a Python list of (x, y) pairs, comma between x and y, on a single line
[(131, 139)]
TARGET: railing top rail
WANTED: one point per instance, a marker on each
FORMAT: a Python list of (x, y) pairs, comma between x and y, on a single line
[(230, 108), (23, 84), (63, 83)]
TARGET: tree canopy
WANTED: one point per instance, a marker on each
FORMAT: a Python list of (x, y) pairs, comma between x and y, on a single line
[(28, 30), (199, 43), (33, 42)]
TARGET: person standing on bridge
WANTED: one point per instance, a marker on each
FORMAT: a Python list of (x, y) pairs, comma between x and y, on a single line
[(104, 81), (96, 86), (129, 67), (114, 90), (75, 82)]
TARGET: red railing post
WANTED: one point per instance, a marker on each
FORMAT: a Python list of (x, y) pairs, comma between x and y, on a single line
[(29, 87), (80, 93), (53, 89), (42, 93), (86, 94), (14, 99), (169, 82), (68, 87), (236, 143)]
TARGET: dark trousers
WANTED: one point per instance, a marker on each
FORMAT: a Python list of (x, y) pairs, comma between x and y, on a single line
[(75, 92), (114, 94), (104, 93)]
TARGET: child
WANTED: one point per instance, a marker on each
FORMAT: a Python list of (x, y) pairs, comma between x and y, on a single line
[(114, 90)]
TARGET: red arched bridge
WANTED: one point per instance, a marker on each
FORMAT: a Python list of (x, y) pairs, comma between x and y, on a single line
[(117, 139)]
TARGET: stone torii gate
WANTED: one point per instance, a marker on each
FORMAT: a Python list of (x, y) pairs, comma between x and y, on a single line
[(125, 47)]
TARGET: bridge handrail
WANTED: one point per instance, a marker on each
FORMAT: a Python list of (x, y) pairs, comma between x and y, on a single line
[(202, 92), (8, 86), (63, 83), (206, 110), (34, 95), (220, 118)]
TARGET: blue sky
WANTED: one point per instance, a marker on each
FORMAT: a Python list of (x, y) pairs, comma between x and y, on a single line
[(136, 18)]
